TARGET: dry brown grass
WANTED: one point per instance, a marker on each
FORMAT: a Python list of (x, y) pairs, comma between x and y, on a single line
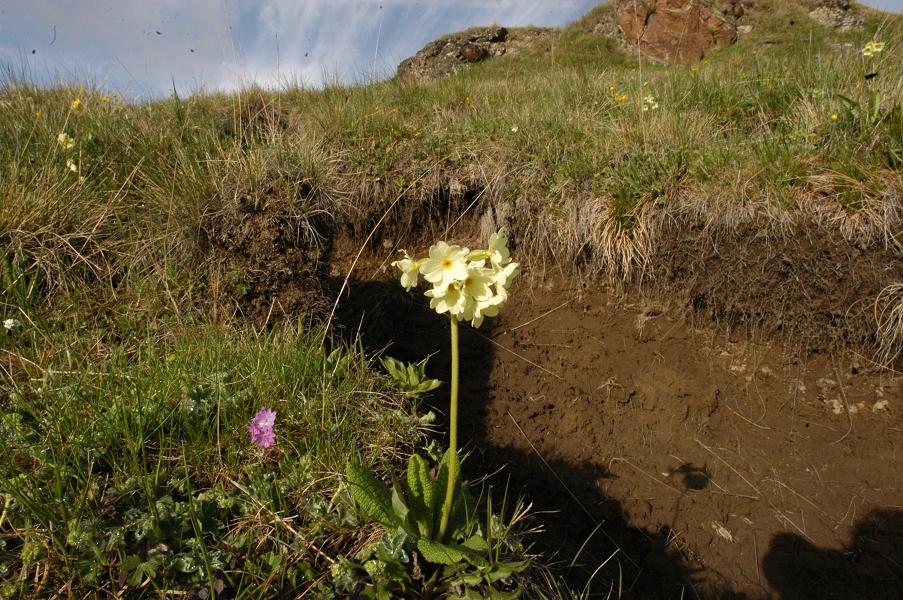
[(889, 323)]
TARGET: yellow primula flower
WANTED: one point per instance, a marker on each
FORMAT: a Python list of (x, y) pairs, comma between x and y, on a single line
[(499, 255), (463, 285), (409, 268), (450, 299), (873, 48), (76, 104), (834, 117), (446, 263)]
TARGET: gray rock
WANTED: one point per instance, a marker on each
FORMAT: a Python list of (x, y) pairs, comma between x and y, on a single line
[(456, 51), (837, 14)]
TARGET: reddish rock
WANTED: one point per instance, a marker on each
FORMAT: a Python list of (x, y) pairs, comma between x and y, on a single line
[(678, 31)]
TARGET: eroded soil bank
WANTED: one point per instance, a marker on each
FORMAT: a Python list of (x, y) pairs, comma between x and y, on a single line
[(699, 461)]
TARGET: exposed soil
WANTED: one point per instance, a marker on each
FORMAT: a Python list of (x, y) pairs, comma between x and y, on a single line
[(698, 462), (813, 289), (269, 255)]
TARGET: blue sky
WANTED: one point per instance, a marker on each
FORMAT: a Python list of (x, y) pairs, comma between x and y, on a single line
[(140, 47)]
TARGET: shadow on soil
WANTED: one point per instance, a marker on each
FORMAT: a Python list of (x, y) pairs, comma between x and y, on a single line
[(871, 566), (577, 518)]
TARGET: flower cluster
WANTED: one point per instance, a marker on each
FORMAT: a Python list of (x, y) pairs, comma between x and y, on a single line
[(649, 103), (467, 284), (872, 48), (11, 324), (261, 427)]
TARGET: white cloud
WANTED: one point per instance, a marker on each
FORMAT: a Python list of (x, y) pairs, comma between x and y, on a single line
[(142, 47)]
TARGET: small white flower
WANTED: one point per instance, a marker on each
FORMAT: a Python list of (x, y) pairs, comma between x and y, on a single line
[(70, 164), (514, 129), (11, 324)]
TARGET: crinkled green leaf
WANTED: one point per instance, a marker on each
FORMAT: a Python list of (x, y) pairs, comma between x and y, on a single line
[(464, 508), (371, 495), (440, 486), (463, 503), (499, 595), (449, 554), (399, 506), (476, 543), (420, 494)]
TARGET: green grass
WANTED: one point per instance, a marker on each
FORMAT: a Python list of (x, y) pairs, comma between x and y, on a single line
[(127, 464), (753, 122), (125, 392)]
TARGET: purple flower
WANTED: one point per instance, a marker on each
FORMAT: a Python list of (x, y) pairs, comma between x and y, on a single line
[(261, 427)]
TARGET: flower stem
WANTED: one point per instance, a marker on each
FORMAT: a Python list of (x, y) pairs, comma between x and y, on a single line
[(453, 432)]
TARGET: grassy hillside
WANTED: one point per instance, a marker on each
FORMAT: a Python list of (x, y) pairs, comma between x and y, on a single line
[(781, 129), (159, 255)]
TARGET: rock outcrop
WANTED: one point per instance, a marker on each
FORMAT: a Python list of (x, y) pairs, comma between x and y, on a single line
[(678, 31), (456, 51), (839, 14)]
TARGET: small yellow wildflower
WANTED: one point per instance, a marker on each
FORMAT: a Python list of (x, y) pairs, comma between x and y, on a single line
[(37, 113), (65, 140), (834, 116), (621, 98), (611, 89), (104, 99), (705, 62), (873, 48), (76, 104)]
